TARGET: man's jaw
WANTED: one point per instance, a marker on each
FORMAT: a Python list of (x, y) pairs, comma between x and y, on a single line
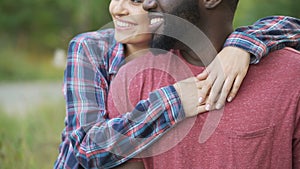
[(166, 30)]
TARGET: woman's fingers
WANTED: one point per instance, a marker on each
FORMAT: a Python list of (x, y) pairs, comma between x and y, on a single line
[(224, 77), (214, 93), (205, 86), (225, 92), (203, 75), (236, 86)]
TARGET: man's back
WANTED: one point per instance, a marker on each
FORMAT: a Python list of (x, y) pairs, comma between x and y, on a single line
[(259, 129)]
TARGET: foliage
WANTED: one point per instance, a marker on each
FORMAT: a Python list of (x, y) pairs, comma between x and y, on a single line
[(48, 24), (19, 65), (31, 141), (250, 11)]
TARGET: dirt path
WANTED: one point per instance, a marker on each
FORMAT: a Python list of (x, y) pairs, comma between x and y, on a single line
[(21, 97)]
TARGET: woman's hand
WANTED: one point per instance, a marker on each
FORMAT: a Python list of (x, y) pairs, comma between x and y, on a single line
[(189, 93), (223, 77)]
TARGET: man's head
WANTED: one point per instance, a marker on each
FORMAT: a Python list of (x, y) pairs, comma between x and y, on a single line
[(213, 17)]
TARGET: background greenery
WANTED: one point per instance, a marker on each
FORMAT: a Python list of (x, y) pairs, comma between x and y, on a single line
[(30, 32), (31, 141)]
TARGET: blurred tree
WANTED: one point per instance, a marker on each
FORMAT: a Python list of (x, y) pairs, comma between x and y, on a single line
[(250, 11), (48, 24)]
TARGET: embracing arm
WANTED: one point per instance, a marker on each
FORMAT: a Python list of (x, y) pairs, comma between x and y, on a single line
[(266, 35), (99, 142), (227, 71)]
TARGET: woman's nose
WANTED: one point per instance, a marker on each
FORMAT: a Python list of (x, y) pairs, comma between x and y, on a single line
[(149, 5), (120, 9)]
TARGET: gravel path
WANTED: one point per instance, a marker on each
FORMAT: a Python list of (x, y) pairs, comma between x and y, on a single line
[(19, 98)]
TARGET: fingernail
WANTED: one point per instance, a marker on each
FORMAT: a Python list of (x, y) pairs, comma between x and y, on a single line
[(200, 99), (229, 99), (207, 107)]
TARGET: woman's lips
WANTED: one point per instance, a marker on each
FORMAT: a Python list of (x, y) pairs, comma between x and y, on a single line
[(122, 24)]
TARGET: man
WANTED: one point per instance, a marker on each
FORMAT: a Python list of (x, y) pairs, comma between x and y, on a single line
[(261, 127)]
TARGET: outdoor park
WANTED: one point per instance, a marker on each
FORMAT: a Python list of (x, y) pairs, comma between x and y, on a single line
[(34, 37)]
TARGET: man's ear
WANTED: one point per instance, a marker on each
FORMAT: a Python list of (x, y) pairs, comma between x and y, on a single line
[(209, 4)]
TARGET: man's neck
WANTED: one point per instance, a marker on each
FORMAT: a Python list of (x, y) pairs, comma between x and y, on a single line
[(204, 52), (191, 58)]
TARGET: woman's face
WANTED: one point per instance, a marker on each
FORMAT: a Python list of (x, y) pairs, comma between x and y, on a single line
[(131, 21)]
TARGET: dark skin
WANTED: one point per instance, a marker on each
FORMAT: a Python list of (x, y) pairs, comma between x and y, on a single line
[(219, 82), (216, 29), (215, 20), (215, 16)]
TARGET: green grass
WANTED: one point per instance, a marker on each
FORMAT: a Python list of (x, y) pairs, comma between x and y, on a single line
[(21, 65), (31, 141)]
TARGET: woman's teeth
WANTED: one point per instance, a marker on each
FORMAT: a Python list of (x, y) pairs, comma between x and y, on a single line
[(123, 24)]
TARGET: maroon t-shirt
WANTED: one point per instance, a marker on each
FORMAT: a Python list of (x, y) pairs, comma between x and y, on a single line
[(259, 129)]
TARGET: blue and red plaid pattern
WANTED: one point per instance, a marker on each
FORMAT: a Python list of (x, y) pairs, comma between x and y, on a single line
[(266, 35)]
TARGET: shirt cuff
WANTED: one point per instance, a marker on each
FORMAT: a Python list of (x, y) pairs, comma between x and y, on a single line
[(170, 100), (248, 42)]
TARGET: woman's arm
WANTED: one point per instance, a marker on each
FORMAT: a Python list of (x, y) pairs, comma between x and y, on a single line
[(90, 138), (224, 76), (266, 35)]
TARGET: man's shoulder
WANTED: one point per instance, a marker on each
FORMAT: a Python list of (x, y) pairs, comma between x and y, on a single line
[(99, 36), (288, 49), (283, 65), (286, 57), (286, 53)]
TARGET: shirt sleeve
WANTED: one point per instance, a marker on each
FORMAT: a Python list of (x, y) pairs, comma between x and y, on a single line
[(99, 142), (266, 35)]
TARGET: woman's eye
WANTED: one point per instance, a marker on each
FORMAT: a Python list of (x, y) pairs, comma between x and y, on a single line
[(137, 1)]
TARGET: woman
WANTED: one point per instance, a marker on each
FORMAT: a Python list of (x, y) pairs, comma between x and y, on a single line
[(90, 138)]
